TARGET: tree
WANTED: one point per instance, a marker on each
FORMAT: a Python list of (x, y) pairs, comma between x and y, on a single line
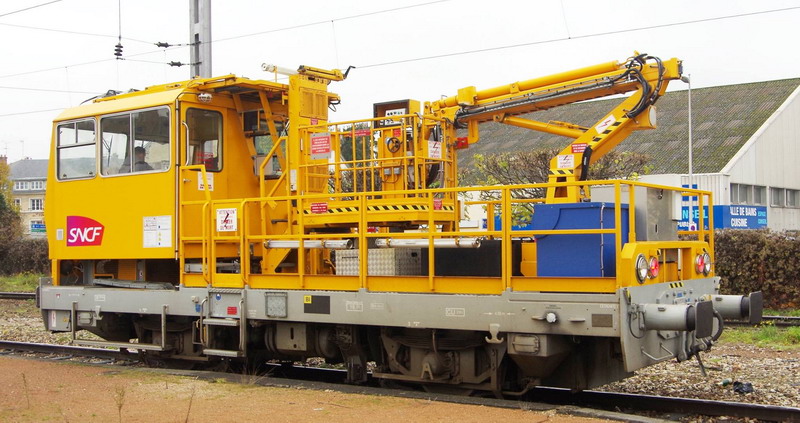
[(531, 167), (10, 229), (5, 182)]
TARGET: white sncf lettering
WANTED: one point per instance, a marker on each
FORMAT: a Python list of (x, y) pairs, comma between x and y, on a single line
[(84, 234)]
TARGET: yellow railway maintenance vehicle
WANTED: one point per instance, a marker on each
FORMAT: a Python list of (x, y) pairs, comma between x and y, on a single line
[(229, 219)]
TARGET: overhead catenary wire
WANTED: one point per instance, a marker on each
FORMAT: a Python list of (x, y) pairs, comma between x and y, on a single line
[(437, 56), (28, 8), (326, 21), (567, 38), (66, 31), (46, 90), (32, 112), (466, 52)]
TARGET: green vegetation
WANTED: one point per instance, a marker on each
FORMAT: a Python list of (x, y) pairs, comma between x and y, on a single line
[(23, 282), (766, 336), (782, 312)]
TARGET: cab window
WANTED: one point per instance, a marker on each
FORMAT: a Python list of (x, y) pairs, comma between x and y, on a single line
[(205, 139), (76, 150), (135, 142)]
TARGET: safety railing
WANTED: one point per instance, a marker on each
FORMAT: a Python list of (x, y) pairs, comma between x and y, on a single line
[(371, 156), (315, 267)]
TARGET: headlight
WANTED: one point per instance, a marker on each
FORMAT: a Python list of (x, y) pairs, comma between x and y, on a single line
[(642, 268)]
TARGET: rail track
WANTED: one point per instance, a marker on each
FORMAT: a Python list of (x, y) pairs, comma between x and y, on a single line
[(311, 377), (17, 295)]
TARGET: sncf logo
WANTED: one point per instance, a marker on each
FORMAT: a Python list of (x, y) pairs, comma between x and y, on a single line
[(82, 231)]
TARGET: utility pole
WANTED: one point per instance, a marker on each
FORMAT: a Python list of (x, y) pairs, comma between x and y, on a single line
[(200, 38)]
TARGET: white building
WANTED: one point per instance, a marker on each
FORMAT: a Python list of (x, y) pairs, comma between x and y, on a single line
[(28, 178)]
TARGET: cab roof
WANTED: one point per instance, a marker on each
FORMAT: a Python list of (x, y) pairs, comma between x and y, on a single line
[(166, 94)]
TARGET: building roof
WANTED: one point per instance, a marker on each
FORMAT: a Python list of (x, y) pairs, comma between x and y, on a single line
[(28, 169), (724, 118)]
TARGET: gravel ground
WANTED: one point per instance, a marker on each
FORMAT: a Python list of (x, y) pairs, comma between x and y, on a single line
[(774, 374)]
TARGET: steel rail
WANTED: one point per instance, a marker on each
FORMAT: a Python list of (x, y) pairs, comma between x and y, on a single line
[(783, 321), (17, 295), (624, 401), (68, 350)]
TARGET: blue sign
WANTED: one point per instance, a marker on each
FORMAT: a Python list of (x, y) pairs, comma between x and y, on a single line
[(734, 216), (744, 217), (498, 225), (37, 227)]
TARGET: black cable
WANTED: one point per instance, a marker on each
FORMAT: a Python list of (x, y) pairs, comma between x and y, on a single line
[(630, 326), (718, 316)]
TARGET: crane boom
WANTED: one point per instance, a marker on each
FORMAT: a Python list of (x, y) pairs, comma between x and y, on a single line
[(646, 76)]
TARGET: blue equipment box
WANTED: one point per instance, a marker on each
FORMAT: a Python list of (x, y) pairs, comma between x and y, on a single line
[(585, 255)]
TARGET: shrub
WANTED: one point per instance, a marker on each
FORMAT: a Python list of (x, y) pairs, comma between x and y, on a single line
[(23, 255), (761, 260)]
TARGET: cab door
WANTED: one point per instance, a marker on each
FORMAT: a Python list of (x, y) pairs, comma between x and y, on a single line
[(202, 184)]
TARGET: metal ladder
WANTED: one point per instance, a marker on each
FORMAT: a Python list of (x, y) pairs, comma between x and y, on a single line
[(240, 321)]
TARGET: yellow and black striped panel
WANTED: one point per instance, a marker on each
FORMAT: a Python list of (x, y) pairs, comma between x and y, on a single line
[(676, 285), (383, 208), (562, 171), (599, 137), (337, 210)]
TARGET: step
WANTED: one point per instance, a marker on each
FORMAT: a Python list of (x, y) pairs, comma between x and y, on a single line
[(213, 321), (222, 353), (128, 345)]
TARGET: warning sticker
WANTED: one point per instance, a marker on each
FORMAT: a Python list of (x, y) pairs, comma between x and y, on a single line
[(320, 145), (566, 161), (579, 147), (437, 203), (226, 220), (157, 231), (318, 208), (363, 132), (209, 177), (605, 123), (434, 149)]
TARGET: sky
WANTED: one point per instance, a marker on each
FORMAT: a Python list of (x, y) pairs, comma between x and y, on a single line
[(57, 53)]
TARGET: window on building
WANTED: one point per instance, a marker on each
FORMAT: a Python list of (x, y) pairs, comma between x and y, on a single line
[(20, 185), (37, 204), (135, 142), (741, 194), (759, 195), (777, 197), (76, 150), (792, 198), (205, 138), (17, 203)]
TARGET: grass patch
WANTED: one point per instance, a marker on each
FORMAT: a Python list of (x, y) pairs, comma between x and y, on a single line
[(782, 312), (766, 336), (23, 282)]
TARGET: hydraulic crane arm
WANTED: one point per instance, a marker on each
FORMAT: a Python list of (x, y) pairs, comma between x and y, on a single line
[(646, 76)]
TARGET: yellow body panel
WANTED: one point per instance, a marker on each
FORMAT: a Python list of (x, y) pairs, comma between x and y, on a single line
[(255, 163)]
